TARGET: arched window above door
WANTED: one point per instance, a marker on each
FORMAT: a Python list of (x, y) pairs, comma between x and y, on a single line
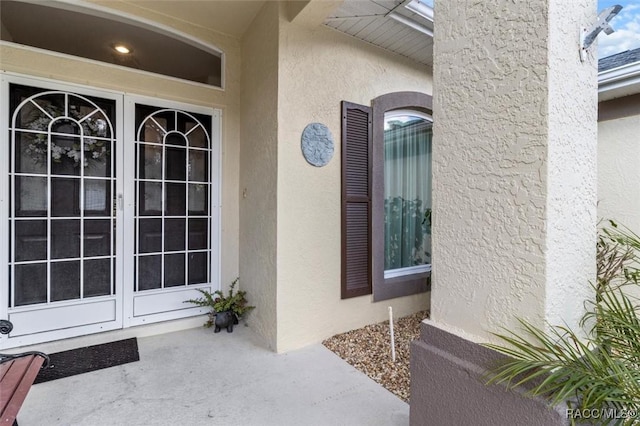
[(110, 38)]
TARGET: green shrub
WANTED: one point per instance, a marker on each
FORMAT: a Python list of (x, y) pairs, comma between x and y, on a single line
[(601, 371)]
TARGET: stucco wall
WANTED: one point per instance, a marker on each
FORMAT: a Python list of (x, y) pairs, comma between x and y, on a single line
[(572, 166), (67, 69), (258, 170), (318, 68), (514, 166), (619, 171)]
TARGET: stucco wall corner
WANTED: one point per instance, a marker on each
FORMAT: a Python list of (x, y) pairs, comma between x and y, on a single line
[(489, 168), (515, 166), (258, 171), (572, 189)]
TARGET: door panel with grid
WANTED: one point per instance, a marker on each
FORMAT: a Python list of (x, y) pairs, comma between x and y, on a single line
[(61, 221), (174, 215)]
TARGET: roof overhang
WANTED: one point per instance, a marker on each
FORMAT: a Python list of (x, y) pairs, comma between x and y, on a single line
[(619, 82), (404, 27)]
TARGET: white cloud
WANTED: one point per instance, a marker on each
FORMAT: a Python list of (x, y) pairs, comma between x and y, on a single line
[(626, 35), (631, 7), (617, 42)]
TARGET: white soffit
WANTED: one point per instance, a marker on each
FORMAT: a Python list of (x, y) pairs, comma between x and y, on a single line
[(389, 24)]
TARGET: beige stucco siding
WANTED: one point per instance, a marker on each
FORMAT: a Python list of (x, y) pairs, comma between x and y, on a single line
[(31, 62), (515, 170), (318, 68), (619, 171), (258, 171)]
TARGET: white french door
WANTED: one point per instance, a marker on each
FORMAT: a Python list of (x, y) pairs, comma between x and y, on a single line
[(173, 206), (109, 212)]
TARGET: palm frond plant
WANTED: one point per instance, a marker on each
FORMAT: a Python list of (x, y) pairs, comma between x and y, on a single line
[(599, 373), (234, 301)]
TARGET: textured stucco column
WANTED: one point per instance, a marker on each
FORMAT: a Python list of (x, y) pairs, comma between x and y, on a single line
[(514, 188), (259, 171)]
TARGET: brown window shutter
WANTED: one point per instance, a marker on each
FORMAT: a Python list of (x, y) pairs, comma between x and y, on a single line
[(356, 200)]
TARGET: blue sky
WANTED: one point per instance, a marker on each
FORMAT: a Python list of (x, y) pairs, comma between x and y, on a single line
[(626, 26)]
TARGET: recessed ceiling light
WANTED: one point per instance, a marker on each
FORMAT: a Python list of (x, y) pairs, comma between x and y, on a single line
[(120, 48)]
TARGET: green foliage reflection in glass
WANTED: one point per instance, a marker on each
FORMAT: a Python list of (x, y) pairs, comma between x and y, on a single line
[(407, 191)]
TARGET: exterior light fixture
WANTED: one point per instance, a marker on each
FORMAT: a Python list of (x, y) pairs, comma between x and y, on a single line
[(588, 35), (120, 48)]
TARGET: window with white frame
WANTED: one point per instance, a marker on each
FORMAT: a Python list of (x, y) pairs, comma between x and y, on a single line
[(407, 193)]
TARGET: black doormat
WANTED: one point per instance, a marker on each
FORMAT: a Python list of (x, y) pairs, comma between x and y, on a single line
[(90, 358)]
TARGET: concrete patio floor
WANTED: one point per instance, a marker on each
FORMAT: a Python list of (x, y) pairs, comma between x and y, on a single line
[(196, 377)]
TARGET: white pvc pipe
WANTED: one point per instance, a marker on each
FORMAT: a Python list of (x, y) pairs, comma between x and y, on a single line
[(393, 342)]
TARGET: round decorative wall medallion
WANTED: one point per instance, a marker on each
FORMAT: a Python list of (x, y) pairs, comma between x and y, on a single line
[(317, 144)]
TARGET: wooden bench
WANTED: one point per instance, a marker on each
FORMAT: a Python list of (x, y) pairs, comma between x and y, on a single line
[(17, 373)]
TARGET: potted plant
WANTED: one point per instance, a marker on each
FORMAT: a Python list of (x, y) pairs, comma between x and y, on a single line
[(225, 310)]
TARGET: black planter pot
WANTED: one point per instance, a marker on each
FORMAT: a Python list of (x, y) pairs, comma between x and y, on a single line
[(226, 320)]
